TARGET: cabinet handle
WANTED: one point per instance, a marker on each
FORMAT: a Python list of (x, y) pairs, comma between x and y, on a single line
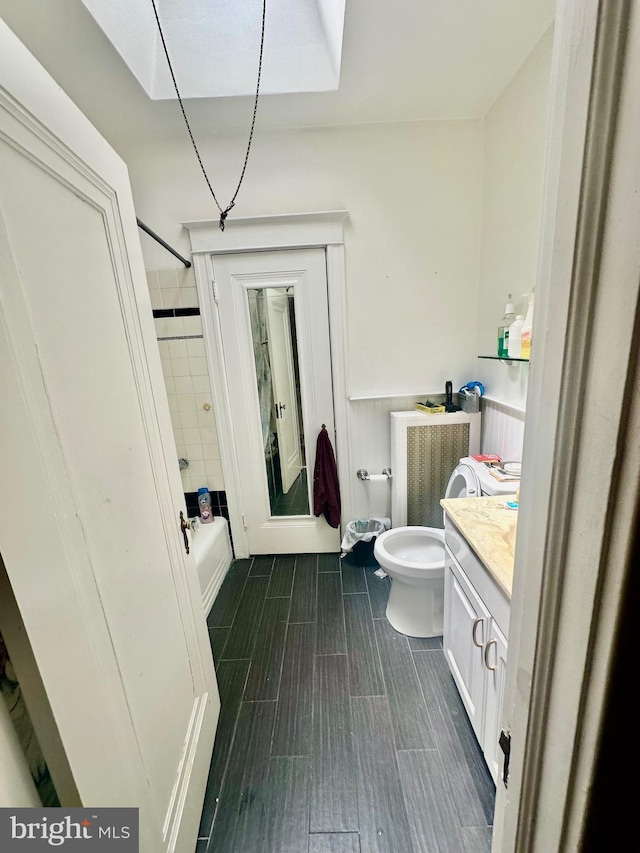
[(476, 622), (486, 655)]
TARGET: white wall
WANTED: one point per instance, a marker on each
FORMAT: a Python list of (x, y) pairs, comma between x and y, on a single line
[(443, 223), (412, 240), (514, 150)]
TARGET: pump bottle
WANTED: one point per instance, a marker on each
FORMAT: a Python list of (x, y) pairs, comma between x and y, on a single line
[(503, 328), (515, 330), (525, 332)]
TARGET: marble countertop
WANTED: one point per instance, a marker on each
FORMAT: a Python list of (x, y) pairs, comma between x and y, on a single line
[(490, 530)]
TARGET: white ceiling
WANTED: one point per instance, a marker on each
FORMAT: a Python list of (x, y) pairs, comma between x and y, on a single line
[(409, 60), (215, 47)]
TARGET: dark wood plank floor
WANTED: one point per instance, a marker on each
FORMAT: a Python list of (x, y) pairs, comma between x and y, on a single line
[(336, 733)]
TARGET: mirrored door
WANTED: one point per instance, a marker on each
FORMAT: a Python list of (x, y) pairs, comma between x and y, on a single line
[(274, 320), (275, 350)]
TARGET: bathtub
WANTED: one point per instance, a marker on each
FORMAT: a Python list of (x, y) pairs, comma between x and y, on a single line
[(211, 548)]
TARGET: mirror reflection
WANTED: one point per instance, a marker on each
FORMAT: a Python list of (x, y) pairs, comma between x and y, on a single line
[(276, 357)]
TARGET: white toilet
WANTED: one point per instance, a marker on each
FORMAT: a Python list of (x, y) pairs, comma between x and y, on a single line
[(413, 557)]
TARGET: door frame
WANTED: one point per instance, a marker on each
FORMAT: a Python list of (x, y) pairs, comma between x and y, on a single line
[(322, 230), (580, 490), (237, 275)]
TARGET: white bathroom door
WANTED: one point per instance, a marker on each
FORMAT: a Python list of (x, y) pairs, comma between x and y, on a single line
[(276, 523), (90, 491), (285, 408)]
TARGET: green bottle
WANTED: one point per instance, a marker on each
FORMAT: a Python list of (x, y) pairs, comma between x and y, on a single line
[(503, 328)]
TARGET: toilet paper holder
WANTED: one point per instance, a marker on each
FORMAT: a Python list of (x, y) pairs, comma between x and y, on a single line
[(363, 474)]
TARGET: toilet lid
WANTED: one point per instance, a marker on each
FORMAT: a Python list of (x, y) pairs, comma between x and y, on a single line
[(463, 483)]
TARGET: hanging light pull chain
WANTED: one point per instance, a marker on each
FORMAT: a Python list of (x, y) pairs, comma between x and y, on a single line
[(223, 213)]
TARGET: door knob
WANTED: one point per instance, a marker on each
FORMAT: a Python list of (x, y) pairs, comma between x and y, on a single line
[(184, 526)]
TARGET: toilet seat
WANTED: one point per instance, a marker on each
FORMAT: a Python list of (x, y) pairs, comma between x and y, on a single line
[(411, 552), (463, 482)]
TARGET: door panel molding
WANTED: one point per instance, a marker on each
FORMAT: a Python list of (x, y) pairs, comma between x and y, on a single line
[(322, 229)]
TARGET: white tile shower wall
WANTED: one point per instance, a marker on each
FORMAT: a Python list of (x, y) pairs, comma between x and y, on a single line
[(186, 377), (502, 430), (173, 288)]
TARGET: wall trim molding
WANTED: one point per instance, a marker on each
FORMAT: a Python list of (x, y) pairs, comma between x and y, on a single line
[(275, 231), (512, 408)]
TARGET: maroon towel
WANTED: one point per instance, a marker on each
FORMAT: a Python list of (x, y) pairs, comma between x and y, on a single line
[(326, 491)]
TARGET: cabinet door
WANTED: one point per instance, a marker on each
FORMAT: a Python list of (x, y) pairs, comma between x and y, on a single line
[(466, 627), (495, 668)]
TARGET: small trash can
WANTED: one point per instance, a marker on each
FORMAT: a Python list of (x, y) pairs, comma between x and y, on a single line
[(359, 537)]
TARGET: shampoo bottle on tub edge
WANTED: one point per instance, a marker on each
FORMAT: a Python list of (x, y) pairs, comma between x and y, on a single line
[(204, 505)]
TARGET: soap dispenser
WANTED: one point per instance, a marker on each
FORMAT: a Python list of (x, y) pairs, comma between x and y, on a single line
[(503, 328), (514, 337)]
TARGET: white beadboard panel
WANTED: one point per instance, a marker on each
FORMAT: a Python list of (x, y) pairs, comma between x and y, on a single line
[(370, 444), (502, 429)]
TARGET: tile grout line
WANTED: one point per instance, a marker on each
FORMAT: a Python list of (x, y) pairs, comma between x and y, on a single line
[(284, 652), (394, 748), (375, 637), (312, 755), (226, 764), (244, 687), (235, 615), (354, 747), (259, 619)]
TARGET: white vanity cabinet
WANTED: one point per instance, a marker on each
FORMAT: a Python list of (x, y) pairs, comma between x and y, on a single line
[(476, 624)]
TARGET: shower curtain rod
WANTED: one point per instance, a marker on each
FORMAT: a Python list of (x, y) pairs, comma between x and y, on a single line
[(162, 242)]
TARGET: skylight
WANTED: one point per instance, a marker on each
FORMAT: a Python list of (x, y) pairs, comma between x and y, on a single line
[(214, 44)]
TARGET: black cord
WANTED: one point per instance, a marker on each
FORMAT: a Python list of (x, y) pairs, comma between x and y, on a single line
[(223, 213)]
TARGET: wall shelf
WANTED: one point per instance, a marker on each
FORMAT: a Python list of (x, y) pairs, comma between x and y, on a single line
[(505, 360)]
